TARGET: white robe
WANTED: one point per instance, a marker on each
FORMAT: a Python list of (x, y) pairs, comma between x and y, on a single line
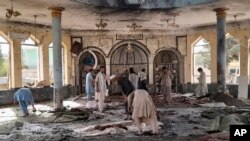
[(133, 79), (201, 88), (101, 84)]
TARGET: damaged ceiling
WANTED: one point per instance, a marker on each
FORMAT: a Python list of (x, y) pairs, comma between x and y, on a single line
[(118, 14)]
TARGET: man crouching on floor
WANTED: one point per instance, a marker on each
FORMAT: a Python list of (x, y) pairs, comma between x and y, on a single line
[(24, 98), (144, 110)]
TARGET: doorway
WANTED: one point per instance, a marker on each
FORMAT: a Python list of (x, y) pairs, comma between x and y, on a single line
[(170, 60), (88, 60)]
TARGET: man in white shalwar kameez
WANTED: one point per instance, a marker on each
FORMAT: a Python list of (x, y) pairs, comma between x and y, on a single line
[(144, 110), (101, 88), (133, 78), (201, 88)]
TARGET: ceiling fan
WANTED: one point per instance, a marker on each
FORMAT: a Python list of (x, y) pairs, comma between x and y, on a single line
[(10, 12)]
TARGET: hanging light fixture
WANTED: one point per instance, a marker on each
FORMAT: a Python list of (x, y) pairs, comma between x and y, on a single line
[(10, 12), (35, 16), (129, 48), (35, 22)]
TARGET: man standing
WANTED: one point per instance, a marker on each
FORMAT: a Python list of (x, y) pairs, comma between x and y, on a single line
[(101, 87), (133, 78), (24, 98), (201, 88), (166, 82), (89, 90)]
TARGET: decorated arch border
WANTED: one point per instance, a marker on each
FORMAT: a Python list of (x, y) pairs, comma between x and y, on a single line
[(179, 57), (133, 42), (93, 48)]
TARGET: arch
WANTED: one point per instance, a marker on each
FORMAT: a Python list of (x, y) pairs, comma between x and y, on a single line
[(176, 65), (5, 37), (174, 50), (35, 39), (63, 45), (64, 66), (93, 48), (126, 42), (99, 57), (233, 58), (201, 49), (197, 40), (121, 58), (30, 61)]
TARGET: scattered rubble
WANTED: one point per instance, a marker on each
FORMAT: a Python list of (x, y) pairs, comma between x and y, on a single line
[(188, 116), (228, 100)]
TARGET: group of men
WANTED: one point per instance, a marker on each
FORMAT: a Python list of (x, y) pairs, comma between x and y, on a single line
[(138, 102)]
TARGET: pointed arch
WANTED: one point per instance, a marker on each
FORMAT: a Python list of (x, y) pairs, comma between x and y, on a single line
[(34, 39), (201, 58), (50, 52), (233, 59), (30, 61)]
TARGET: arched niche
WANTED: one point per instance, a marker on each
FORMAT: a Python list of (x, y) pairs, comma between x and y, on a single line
[(126, 54), (88, 58), (173, 60)]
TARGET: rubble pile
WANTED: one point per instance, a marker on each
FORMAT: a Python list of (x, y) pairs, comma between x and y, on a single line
[(228, 100)]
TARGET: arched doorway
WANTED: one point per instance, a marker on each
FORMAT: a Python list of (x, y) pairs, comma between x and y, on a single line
[(88, 59), (126, 54), (129, 53), (171, 59)]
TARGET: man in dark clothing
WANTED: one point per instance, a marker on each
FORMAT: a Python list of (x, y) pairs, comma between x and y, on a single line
[(126, 87)]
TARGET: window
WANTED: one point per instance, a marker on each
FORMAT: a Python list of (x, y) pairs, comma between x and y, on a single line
[(4, 63), (51, 75), (202, 59), (233, 63), (30, 62)]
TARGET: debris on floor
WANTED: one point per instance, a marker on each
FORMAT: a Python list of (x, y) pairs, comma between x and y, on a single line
[(187, 116)]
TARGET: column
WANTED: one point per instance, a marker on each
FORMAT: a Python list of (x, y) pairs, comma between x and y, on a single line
[(244, 64), (108, 72), (151, 68), (44, 63), (221, 47), (56, 13), (16, 64)]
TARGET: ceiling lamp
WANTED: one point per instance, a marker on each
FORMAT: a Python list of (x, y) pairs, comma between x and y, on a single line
[(10, 12), (129, 48), (35, 22)]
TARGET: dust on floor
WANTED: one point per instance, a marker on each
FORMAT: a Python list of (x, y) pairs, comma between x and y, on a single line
[(178, 121)]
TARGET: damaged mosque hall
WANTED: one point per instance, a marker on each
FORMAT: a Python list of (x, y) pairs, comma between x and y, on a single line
[(111, 70)]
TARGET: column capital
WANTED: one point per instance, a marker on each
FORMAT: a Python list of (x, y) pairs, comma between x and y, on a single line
[(221, 12), (56, 11)]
